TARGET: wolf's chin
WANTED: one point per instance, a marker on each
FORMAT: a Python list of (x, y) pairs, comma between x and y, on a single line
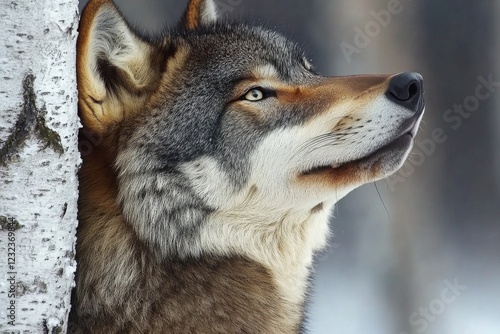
[(384, 161), (389, 158)]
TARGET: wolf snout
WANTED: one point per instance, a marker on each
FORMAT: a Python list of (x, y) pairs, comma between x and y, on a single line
[(407, 90)]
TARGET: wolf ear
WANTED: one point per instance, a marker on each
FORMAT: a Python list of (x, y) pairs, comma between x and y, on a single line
[(199, 12), (116, 68)]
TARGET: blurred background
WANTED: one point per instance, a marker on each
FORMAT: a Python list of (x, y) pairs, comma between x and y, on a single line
[(420, 251)]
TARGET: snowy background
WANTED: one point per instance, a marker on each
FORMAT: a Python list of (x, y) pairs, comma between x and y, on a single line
[(431, 262)]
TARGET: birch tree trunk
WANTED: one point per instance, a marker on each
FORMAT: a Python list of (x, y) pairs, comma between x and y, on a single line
[(38, 163)]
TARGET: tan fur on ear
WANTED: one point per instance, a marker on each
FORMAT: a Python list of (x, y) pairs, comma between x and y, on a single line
[(199, 12), (116, 68)]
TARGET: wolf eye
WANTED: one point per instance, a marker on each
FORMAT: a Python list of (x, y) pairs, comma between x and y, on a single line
[(255, 94)]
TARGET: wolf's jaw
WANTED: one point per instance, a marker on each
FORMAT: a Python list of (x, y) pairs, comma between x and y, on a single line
[(401, 144), (387, 159)]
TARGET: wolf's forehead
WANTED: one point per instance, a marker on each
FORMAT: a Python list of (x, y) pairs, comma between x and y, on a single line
[(252, 36), (248, 47)]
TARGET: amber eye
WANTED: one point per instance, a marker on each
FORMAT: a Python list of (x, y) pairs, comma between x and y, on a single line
[(255, 94)]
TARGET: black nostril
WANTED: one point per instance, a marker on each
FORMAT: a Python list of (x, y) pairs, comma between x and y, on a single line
[(413, 89), (406, 89)]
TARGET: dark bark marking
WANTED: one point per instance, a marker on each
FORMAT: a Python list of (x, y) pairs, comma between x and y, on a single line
[(30, 119)]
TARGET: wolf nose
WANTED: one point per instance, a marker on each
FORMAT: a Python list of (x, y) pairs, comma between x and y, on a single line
[(406, 89)]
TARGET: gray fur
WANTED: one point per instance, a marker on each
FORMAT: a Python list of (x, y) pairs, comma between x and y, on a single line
[(188, 222), (194, 123)]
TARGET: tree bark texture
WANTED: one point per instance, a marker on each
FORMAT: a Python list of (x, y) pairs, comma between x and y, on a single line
[(38, 163)]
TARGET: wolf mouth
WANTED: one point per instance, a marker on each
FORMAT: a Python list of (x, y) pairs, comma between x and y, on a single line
[(396, 148)]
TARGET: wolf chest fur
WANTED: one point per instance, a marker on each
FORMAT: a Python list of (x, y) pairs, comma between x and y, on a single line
[(218, 156)]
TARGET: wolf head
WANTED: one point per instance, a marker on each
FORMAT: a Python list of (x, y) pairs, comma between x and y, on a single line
[(221, 138)]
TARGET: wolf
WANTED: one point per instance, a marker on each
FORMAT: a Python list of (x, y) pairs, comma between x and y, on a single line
[(218, 153)]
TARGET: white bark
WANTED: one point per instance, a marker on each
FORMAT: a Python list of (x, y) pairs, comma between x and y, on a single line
[(38, 163)]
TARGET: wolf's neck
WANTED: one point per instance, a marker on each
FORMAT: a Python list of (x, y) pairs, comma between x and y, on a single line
[(285, 245), (174, 222)]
